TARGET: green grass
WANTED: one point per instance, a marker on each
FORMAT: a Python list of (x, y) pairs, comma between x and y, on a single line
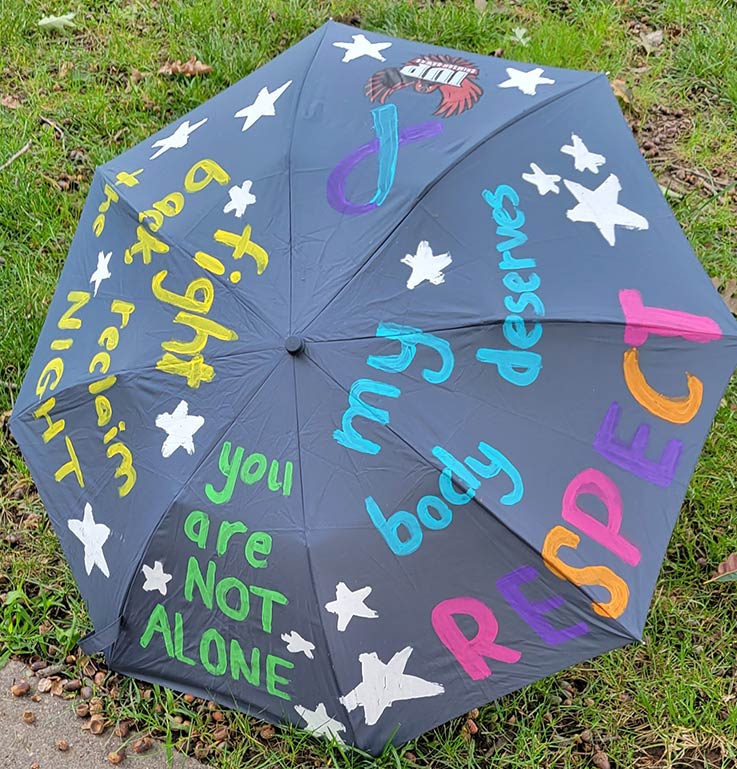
[(670, 702)]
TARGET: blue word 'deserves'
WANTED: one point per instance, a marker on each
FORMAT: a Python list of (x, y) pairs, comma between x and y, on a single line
[(519, 366)]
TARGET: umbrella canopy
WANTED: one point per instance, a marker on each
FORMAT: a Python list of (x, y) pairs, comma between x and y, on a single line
[(372, 387)]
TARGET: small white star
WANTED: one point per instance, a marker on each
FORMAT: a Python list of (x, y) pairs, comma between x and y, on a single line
[(544, 182), (426, 266), (178, 139), (319, 722), (180, 427), (156, 577), (601, 207), (263, 105), (102, 271), (93, 536), (296, 644), (583, 160), (527, 82), (240, 198), (361, 46), (383, 684), (349, 604)]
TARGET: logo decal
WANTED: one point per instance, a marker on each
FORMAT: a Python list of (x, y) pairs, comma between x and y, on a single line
[(452, 77)]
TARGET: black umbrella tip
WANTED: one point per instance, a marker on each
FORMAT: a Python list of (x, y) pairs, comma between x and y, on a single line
[(294, 345)]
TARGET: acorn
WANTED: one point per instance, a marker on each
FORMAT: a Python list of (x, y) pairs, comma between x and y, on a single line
[(97, 723), (143, 745), (82, 710), (62, 745), (116, 756), (72, 686), (20, 689), (121, 730), (28, 716)]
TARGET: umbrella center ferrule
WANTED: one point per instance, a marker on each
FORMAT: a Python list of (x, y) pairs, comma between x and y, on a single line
[(294, 345)]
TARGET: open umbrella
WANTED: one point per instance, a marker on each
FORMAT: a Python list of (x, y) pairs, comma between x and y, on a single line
[(372, 387)]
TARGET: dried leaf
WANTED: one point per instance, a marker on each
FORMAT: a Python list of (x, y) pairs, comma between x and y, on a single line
[(9, 101), (480, 5), (190, 68), (727, 570), (651, 41), (519, 35), (622, 91), (57, 23), (729, 293)]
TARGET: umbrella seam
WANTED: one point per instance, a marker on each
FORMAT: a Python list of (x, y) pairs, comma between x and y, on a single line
[(434, 182), (309, 558), (483, 506), (16, 417), (725, 338), (289, 163)]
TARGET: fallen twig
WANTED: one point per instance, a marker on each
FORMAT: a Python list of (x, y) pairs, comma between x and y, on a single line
[(54, 125), (14, 157)]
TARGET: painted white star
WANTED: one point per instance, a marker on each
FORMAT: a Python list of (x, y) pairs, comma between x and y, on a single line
[(361, 46), (583, 160), (93, 536), (545, 183), (601, 207), (296, 644), (383, 684), (527, 82), (102, 271), (178, 139), (156, 577), (426, 266), (180, 427), (240, 198), (319, 722), (263, 105), (349, 604)]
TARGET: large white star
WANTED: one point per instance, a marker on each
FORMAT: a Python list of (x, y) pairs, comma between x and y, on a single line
[(102, 271), (180, 427), (361, 46), (240, 198), (349, 604), (263, 105), (544, 182), (156, 577), (426, 266), (93, 536), (383, 684), (319, 722), (296, 644), (178, 139), (527, 82), (583, 160), (601, 207)]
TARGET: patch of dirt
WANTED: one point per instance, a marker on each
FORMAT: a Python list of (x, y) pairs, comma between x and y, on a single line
[(657, 134)]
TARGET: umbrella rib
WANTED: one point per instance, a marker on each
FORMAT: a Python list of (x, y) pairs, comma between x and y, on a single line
[(434, 182), (309, 556), (289, 164), (527, 545)]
